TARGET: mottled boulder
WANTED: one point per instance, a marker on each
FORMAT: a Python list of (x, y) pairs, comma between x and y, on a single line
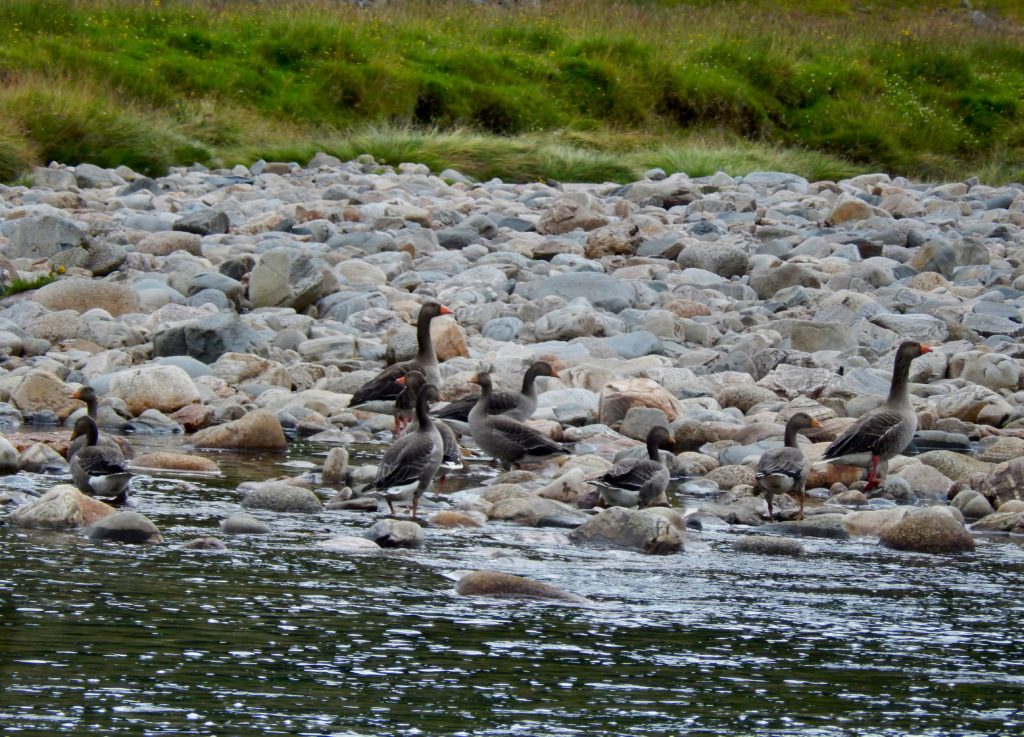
[(8, 457), (206, 339), (972, 504), (282, 497), (41, 391), (392, 533), (617, 239), (286, 277), (43, 236), (1001, 522), (165, 388), (872, 522), (728, 477), (181, 462), (241, 523), (719, 257), (125, 527), (61, 508), (577, 211), (532, 510), (954, 465), (1002, 450), (820, 525), (618, 397), (929, 530), (975, 404), (82, 295), (767, 281), (204, 221), (848, 208), (633, 529), (453, 519), (41, 458), (258, 430), (349, 544), (1004, 483), (493, 583), (166, 242), (769, 545)]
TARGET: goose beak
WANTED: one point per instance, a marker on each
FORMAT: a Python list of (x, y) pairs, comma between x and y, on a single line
[(400, 381), (76, 394), (446, 311), (671, 439), (554, 373), (475, 379), (815, 423), (926, 349)]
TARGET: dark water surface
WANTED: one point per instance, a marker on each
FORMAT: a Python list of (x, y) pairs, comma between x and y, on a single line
[(279, 636)]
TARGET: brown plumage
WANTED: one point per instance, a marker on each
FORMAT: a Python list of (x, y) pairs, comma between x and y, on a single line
[(784, 470), (98, 470), (636, 482), (517, 405)]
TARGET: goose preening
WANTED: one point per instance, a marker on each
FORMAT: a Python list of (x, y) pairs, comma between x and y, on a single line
[(412, 383), (508, 440), (88, 395), (517, 405), (784, 470), (98, 470), (882, 433), (412, 461), (384, 386), (636, 482)]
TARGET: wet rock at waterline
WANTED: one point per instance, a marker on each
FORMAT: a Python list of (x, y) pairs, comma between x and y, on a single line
[(769, 545), (282, 497), (61, 508), (124, 527), (175, 462), (392, 533), (349, 544), (258, 430), (928, 530), (205, 544), (642, 530), (506, 585), (241, 523)]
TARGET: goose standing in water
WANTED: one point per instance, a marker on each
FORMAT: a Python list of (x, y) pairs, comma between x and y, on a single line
[(508, 440), (412, 461), (784, 470), (88, 395), (636, 482), (882, 433), (385, 386), (98, 470), (519, 406), (412, 384)]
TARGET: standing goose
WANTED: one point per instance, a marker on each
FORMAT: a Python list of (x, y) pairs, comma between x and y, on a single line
[(410, 463), (884, 432), (384, 386), (98, 470), (783, 470), (88, 395), (519, 406), (636, 482), (412, 383), (509, 441)]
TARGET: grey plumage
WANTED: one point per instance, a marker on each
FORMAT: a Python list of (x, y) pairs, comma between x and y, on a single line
[(517, 405), (412, 383), (385, 386), (412, 461), (784, 470), (883, 433), (507, 440), (636, 482), (98, 470)]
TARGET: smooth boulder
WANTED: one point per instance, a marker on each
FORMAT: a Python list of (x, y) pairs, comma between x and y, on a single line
[(494, 583), (632, 529), (929, 530)]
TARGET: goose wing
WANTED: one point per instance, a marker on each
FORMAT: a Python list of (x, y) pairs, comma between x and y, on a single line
[(872, 433), (631, 473), (406, 460), (384, 385), (100, 461), (782, 461), (523, 437)]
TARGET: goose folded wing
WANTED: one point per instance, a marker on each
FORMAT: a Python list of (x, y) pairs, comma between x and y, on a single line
[(404, 461), (782, 462), (868, 435), (525, 437), (632, 473), (96, 462)]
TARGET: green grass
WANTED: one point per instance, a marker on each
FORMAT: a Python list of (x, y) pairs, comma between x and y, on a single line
[(568, 90), (18, 285)]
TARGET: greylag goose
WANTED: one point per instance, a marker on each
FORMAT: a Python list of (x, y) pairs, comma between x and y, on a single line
[(636, 482), (412, 383), (410, 463), (98, 470), (88, 395), (509, 441), (519, 406), (784, 470), (884, 432), (384, 386)]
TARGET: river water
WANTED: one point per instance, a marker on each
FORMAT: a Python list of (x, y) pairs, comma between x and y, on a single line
[(279, 636)]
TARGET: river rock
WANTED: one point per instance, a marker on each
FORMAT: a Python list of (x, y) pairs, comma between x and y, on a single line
[(632, 529), (925, 481), (257, 430), (8, 457), (991, 370), (166, 388), (953, 465), (125, 527), (205, 339), (166, 242), (531, 510), (619, 396), (392, 533), (41, 391), (493, 583), (769, 545), (82, 295), (43, 236), (573, 212), (1004, 483), (928, 530), (204, 221), (1004, 522), (975, 404), (335, 467), (972, 504), (819, 525), (167, 461), (282, 497), (872, 522), (1002, 450), (61, 508), (241, 523), (41, 458), (728, 477), (349, 544), (285, 277), (453, 519)]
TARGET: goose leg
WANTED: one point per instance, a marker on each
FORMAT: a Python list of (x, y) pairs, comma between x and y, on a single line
[(415, 502), (801, 493), (768, 497), (872, 474), (391, 506)]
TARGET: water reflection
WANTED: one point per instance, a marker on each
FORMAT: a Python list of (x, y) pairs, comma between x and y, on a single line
[(280, 636)]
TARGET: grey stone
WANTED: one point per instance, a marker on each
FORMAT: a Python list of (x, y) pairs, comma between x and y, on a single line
[(633, 529), (43, 236), (769, 545), (282, 497), (928, 530), (390, 533), (285, 277), (206, 340), (125, 527), (205, 221), (241, 523)]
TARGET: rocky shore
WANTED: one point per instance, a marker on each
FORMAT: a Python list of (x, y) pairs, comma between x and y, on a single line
[(243, 307)]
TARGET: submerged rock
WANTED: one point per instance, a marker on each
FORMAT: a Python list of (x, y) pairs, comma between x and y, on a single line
[(929, 530), (61, 508), (282, 497), (640, 530), (125, 527), (392, 533), (493, 583), (769, 545)]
